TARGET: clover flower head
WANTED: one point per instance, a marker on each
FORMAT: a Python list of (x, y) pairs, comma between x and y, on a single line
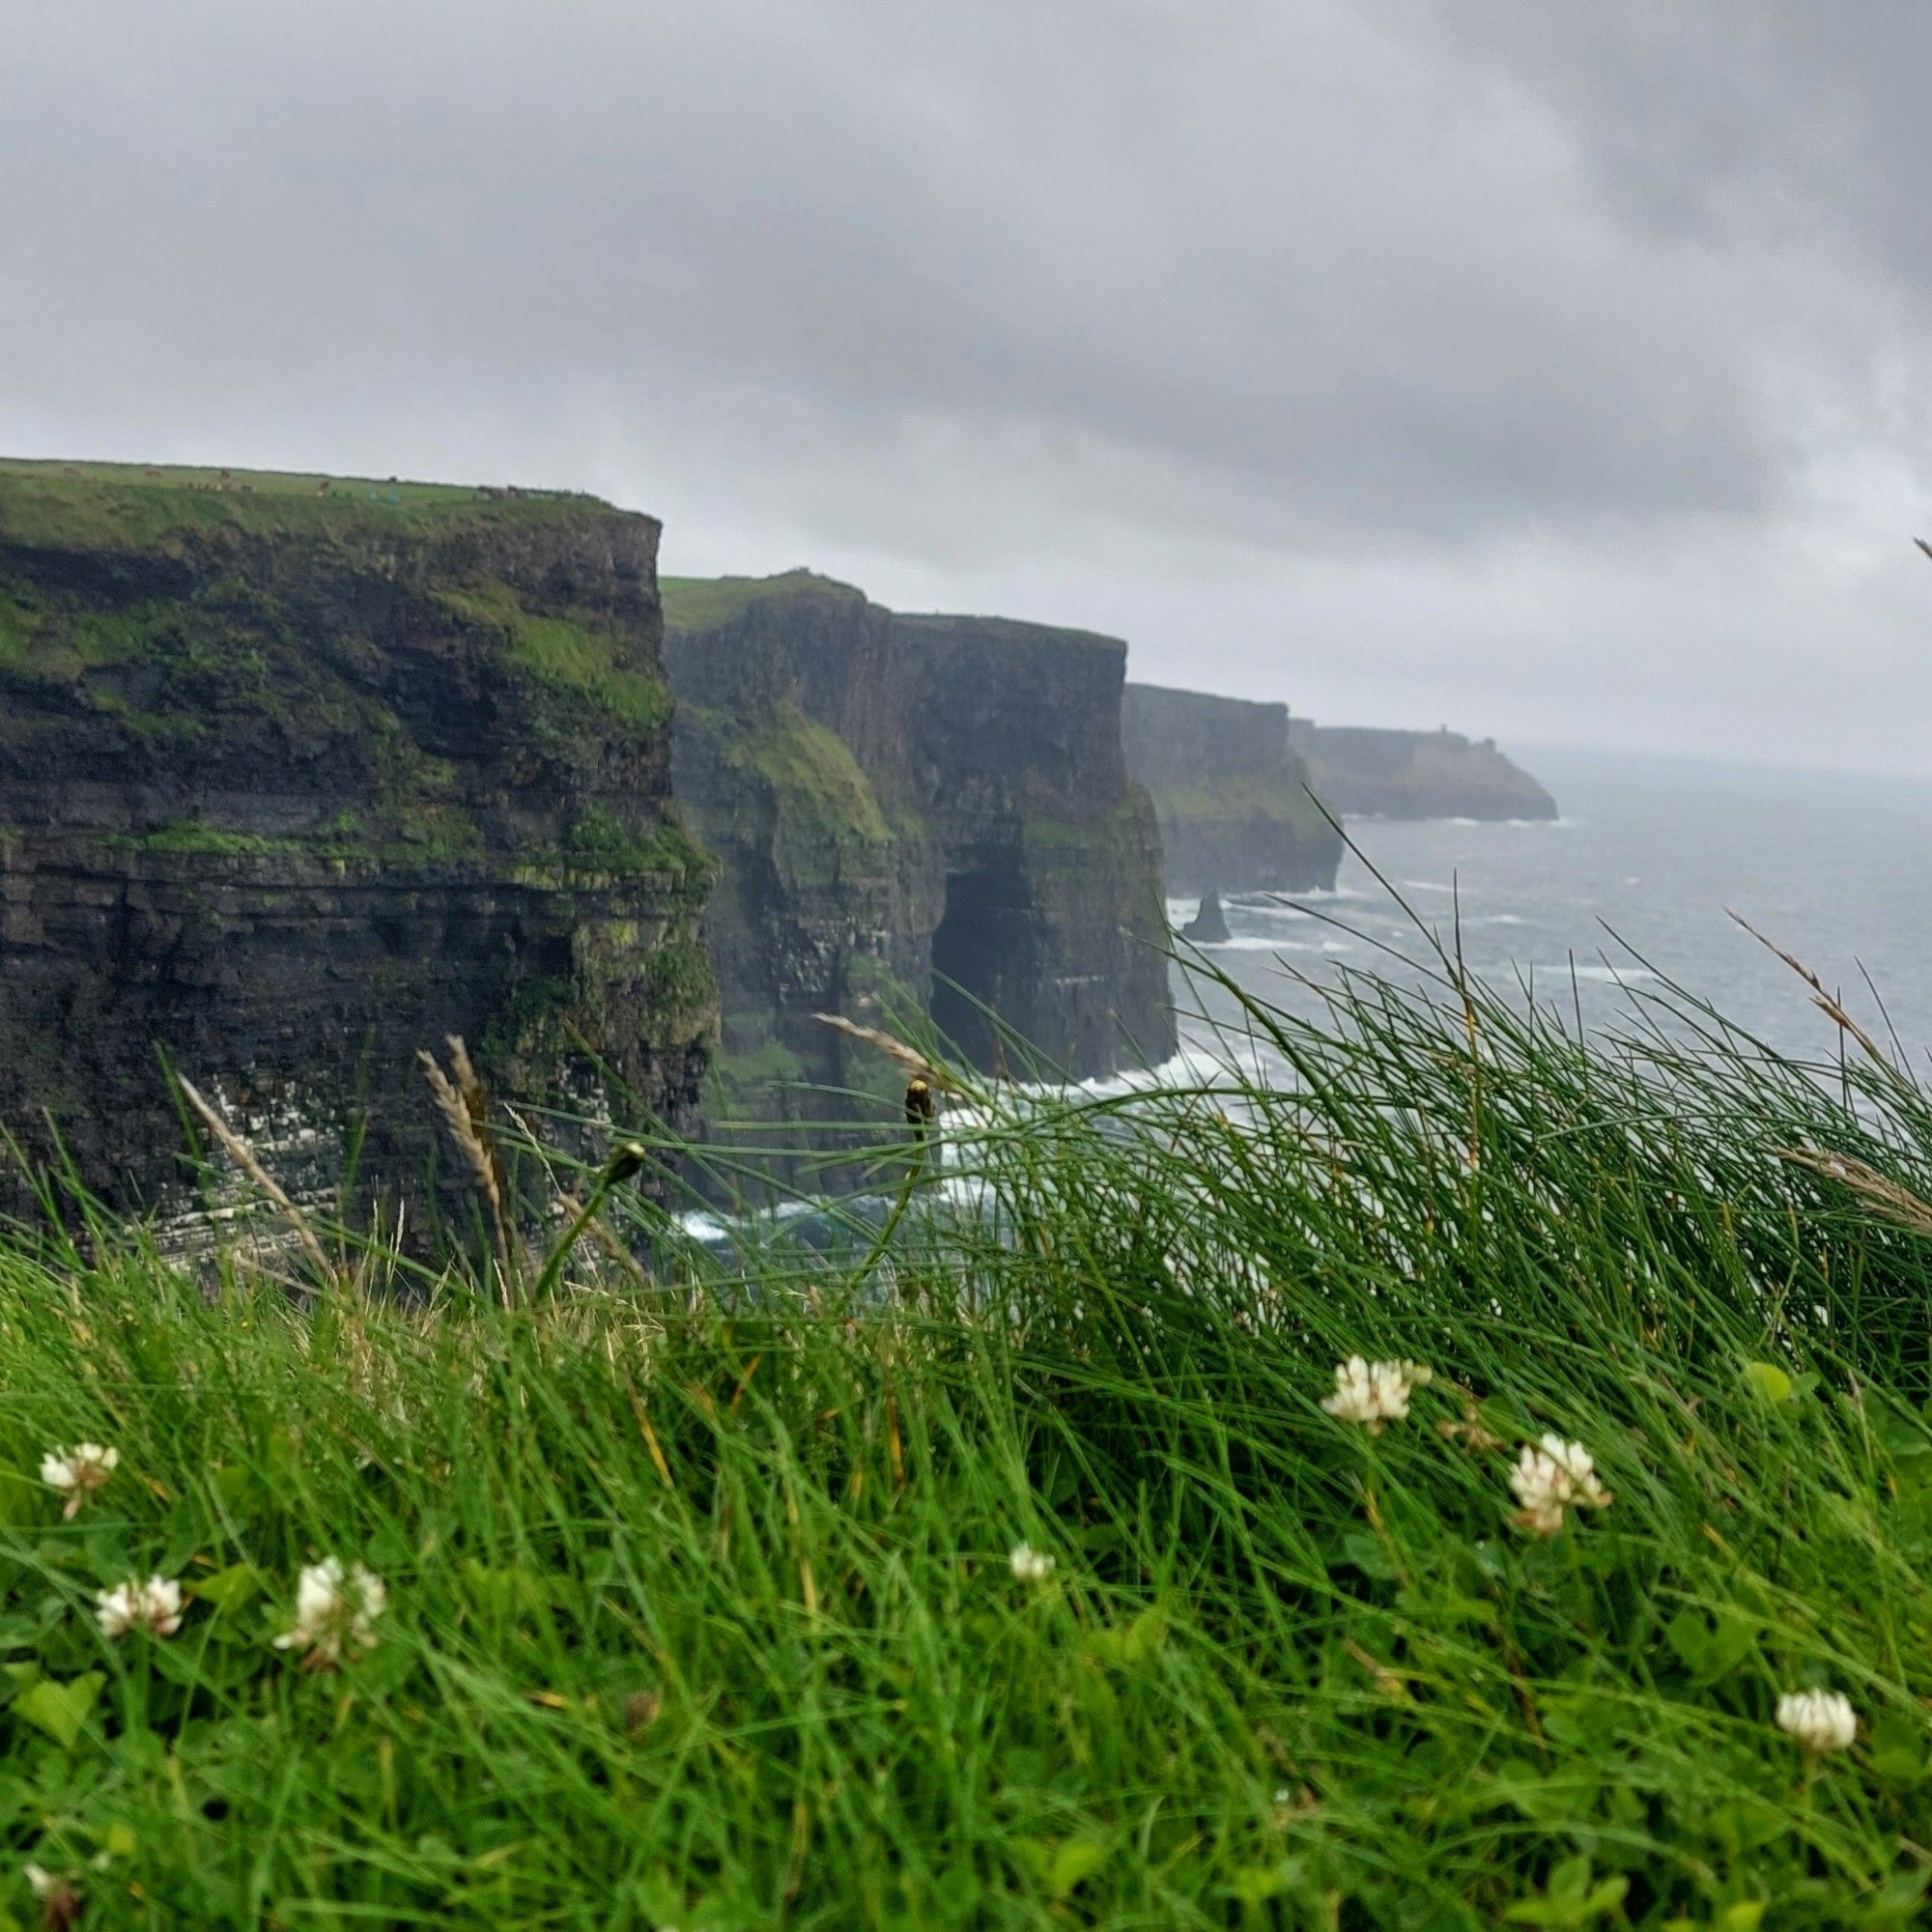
[(1029, 1565), (58, 1892), (80, 1472), (1821, 1720), (1375, 1393), (335, 1613), (153, 1606), (1554, 1476)]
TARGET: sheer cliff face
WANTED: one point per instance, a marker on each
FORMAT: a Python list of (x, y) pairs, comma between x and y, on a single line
[(298, 778), (1230, 795), (896, 802), (1360, 770)]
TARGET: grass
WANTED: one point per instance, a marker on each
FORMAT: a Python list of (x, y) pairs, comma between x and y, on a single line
[(710, 603), (135, 507), (1280, 797), (579, 658), (700, 1607)]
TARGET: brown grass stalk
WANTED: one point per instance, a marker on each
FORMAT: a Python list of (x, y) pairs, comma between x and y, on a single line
[(244, 1157), (916, 1064), (1827, 1003), (1885, 1197), (465, 1106)]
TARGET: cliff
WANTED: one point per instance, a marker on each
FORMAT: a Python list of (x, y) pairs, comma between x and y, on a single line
[(300, 774), (898, 802), (1230, 795), (1439, 774)]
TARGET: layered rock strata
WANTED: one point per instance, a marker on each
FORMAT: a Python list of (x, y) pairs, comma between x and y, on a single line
[(298, 776)]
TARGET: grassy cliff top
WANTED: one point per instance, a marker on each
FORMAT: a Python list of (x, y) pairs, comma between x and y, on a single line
[(710, 603), (132, 507), (1012, 629)]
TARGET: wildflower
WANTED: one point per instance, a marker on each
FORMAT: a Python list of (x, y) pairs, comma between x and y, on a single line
[(1557, 1476), (80, 1472), (155, 1607), (1374, 1392), (59, 1893), (335, 1613), (1469, 1431), (1821, 1720), (1031, 1565)]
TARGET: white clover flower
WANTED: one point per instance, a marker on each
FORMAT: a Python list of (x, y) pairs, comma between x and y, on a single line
[(335, 1611), (1031, 1565), (155, 1607), (59, 1893), (1821, 1720), (1374, 1392), (80, 1472), (1555, 1477)]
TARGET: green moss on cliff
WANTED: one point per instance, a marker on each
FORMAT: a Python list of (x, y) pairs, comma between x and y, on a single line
[(574, 655), (59, 636), (188, 834), (807, 773), (1275, 796)]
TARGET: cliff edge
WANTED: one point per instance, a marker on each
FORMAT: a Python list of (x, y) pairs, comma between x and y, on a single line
[(302, 774), (1230, 795), (898, 802), (1370, 772)]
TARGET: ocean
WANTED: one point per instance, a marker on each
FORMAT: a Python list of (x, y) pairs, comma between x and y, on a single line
[(1629, 886)]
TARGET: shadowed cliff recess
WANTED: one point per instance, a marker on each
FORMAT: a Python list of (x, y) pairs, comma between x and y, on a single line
[(917, 815), (301, 775)]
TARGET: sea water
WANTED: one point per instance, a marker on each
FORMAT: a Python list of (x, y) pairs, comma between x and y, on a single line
[(1630, 888)]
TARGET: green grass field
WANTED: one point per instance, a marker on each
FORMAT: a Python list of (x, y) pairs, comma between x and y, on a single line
[(133, 506), (702, 1607)]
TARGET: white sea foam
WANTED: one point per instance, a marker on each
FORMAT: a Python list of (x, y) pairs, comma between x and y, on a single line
[(1319, 894), (1595, 972), (1259, 942)]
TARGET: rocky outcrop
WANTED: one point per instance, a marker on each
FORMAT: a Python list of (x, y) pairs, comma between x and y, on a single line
[(1209, 925), (912, 816), (298, 777), (1360, 771), (1230, 795)]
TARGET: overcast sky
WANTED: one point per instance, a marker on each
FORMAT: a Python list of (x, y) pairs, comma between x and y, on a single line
[(1550, 371)]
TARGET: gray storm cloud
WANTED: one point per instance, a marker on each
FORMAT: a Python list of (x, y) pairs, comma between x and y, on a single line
[(1546, 371)]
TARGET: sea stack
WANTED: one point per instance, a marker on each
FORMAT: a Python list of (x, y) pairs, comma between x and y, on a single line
[(1210, 926)]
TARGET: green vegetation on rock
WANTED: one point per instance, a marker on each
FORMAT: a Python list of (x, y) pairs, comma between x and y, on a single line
[(710, 603), (579, 657), (1281, 797)]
